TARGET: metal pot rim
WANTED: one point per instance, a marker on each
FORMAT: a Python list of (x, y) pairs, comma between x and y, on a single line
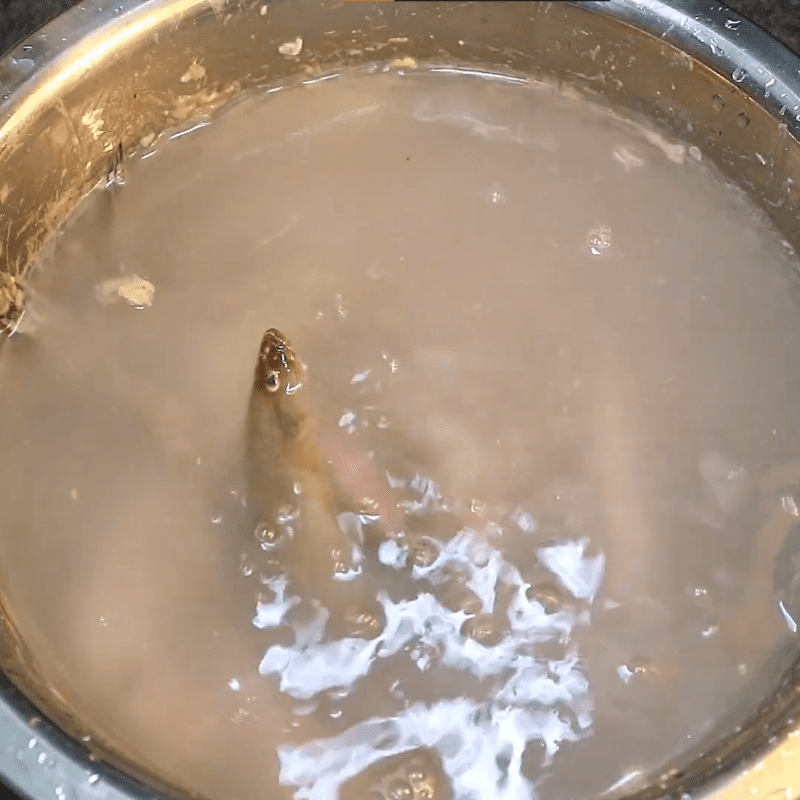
[(41, 756)]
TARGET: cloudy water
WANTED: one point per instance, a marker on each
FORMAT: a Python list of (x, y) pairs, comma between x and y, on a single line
[(500, 517)]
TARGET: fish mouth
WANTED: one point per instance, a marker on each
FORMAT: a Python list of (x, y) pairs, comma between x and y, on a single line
[(276, 354)]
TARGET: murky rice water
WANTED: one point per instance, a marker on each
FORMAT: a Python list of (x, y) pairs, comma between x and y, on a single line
[(550, 353)]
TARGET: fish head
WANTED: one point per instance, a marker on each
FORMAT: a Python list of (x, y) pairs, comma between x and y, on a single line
[(279, 371)]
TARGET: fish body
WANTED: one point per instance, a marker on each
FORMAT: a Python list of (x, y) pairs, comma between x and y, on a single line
[(294, 499)]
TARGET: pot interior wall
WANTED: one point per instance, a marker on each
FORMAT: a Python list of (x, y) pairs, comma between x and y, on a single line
[(130, 79)]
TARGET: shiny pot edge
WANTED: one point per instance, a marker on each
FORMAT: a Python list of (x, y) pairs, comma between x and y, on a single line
[(724, 40), (80, 38)]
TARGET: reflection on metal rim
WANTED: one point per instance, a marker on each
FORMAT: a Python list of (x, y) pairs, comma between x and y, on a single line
[(723, 39), (757, 763)]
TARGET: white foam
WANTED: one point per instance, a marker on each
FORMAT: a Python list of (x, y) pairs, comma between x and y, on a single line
[(472, 737)]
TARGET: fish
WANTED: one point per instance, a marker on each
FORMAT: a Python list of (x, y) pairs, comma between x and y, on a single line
[(759, 615), (295, 501)]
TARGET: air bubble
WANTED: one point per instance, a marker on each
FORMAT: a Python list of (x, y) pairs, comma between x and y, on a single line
[(360, 377), (732, 24), (93, 778), (244, 567), (497, 194), (400, 790), (739, 74), (478, 507), (287, 514), (637, 667), (716, 103), (264, 533), (457, 597), (482, 629), (365, 623), (549, 595), (269, 537), (599, 240), (424, 779), (424, 552)]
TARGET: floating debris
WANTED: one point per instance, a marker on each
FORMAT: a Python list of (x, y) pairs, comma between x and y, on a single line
[(196, 72), (12, 299), (137, 291), (407, 62), (292, 48)]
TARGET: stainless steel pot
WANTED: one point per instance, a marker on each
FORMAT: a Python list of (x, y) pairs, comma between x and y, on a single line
[(105, 75)]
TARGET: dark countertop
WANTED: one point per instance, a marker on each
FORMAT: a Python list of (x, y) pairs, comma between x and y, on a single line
[(781, 18)]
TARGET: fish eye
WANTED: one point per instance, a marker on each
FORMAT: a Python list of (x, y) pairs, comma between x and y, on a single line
[(272, 381)]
